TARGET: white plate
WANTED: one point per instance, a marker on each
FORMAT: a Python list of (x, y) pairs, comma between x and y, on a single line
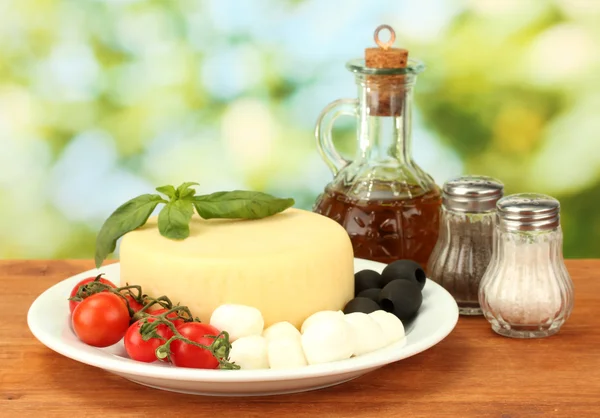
[(50, 324)]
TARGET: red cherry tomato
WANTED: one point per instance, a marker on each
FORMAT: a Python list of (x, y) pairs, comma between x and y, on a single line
[(171, 317), (133, 304), (187, 355), (73, 303), (141, 350), (101, 319)]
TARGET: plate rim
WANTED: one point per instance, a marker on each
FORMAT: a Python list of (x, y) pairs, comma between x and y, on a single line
[(104, 360)]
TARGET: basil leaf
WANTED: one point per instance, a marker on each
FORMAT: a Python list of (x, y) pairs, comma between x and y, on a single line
[(240, 204), (174, 219), (127, 217), (185, 190), (167, 190)]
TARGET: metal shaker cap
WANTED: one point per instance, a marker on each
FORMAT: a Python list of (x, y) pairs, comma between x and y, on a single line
[(472, 194), (528, 212)]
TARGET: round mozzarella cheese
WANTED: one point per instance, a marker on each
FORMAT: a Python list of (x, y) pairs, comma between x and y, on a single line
[(368, 335), (285, 353), (328, 339), (250, 352), (319, 316), (280, 330), (390, 324), (238, 320)]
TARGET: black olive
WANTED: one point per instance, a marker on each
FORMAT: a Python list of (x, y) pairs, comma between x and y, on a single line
[(361, 304), (370, 294), (366, 279), (405, 270), (403, 298)]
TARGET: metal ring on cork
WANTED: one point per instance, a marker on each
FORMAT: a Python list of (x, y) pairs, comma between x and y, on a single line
[(390, 42)]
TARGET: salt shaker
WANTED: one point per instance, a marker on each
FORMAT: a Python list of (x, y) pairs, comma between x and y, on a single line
[(464, 247), (526, 291)]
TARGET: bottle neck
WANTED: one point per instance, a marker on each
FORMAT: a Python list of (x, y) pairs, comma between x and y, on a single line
[(385, 124)]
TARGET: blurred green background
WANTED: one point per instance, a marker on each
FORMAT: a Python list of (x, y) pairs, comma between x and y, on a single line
[(101, 100)]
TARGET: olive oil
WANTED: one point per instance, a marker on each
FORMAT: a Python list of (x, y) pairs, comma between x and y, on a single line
[(384, 228)]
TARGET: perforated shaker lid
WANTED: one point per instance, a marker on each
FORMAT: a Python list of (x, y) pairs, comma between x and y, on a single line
[(529, 212), (472, 193)]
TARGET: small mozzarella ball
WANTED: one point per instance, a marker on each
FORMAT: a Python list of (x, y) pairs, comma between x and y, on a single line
[(368, 335), (250, 352), (238, 320), (286, 353), (317, 316), (328, 339), (279, 330), (390, 324)]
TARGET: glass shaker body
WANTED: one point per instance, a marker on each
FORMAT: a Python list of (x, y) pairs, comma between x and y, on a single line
[(526, 291), (388, 205), (464, 247)]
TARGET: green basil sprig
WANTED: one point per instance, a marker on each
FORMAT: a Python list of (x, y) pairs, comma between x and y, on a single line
[(174, 218)]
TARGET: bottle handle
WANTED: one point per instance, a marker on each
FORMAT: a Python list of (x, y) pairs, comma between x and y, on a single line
[(325, 121)]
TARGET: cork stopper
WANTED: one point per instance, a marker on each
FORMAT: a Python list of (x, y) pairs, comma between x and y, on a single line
[(386, 92), (386, 56)]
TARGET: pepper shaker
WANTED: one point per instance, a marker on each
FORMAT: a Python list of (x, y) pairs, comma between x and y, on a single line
[(464, 247), (526, 291)]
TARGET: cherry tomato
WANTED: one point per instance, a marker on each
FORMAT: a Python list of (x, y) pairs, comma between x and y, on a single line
[(141, 350), (171, 317), (187, 355), (101, 319), (72, 303), (133, 304)]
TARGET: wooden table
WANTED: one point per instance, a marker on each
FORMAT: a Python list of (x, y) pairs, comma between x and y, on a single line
[(472, 373)]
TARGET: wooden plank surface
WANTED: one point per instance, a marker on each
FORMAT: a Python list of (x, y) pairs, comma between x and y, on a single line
[(472, 373)]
